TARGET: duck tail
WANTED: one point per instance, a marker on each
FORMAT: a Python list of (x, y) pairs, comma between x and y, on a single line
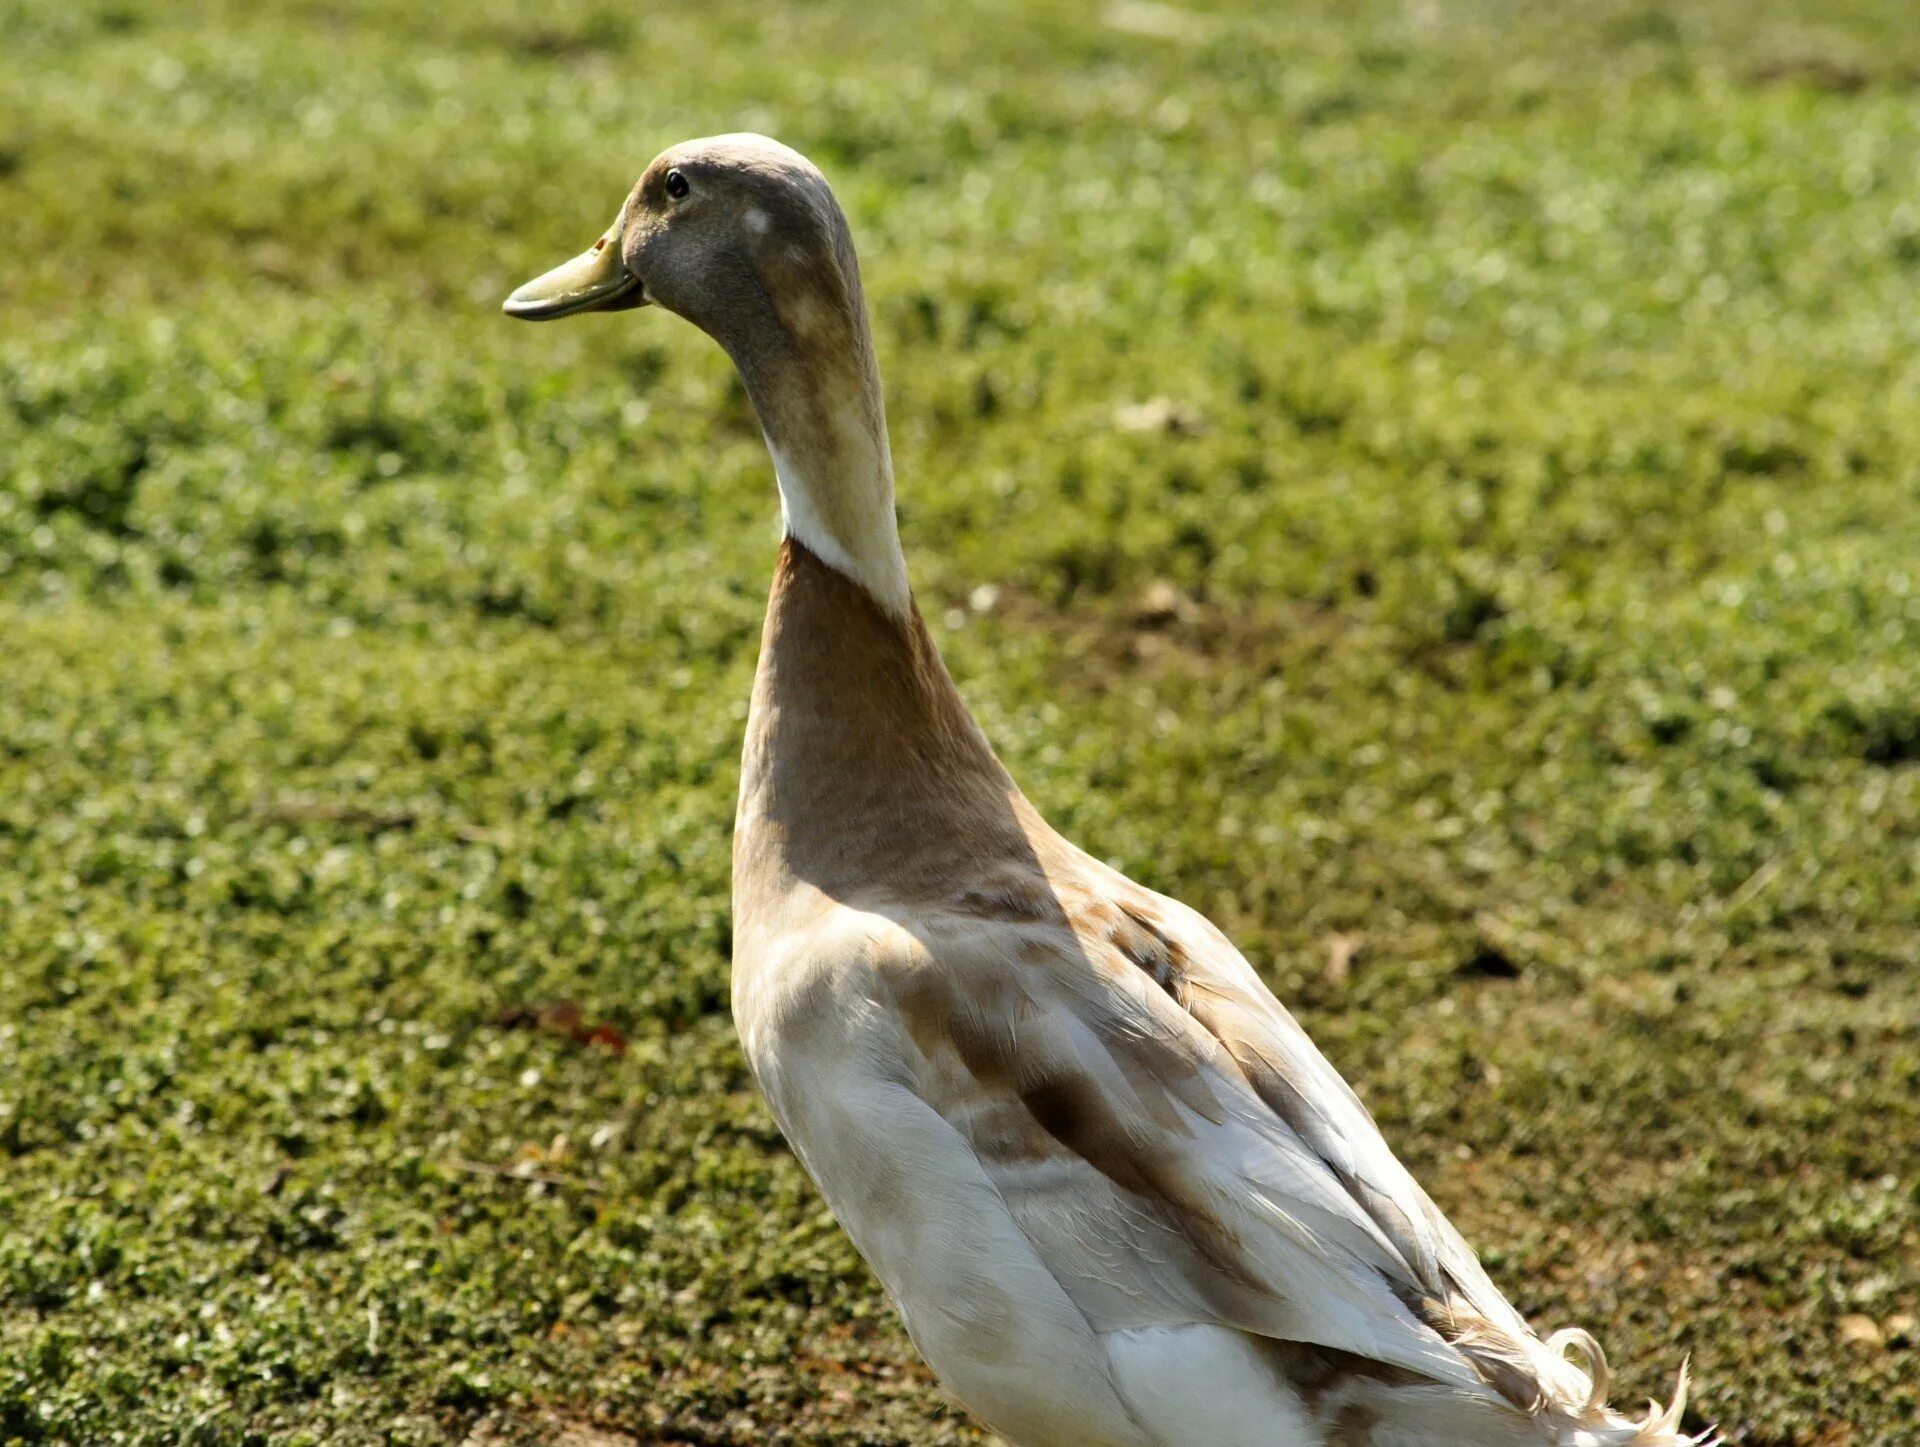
[(1590, 1423), (1560, 1383)]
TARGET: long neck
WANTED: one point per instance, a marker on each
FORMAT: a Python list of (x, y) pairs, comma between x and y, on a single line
[(815, 384), (863, 769)]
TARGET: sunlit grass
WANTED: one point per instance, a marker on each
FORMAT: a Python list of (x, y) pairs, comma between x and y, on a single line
[(1502, 617)]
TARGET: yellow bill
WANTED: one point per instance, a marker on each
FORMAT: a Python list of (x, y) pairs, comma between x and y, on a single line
[(596, 280)]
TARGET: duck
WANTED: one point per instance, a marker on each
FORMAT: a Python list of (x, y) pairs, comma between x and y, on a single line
[(1115, 1193)]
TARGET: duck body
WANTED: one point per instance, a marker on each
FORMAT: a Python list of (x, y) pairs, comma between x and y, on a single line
[(1117, 1195)]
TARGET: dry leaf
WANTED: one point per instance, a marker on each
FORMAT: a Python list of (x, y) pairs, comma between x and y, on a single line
[(1341, 952), (1861, 1331)]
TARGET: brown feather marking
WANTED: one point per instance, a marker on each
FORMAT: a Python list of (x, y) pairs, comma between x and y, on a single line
[(1000, 1128), (1316, 1372), (1010, 900), (1140, 938), (1279, 1094), (1491, 1350), (1354, 1426), (1072, 1108)]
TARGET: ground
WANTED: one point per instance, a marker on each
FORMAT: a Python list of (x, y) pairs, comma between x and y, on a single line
[(1435, 486)]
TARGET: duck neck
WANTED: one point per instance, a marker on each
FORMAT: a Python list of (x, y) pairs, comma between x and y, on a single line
[(863, 768), (816, 387)]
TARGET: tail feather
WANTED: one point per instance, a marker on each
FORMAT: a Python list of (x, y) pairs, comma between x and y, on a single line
[(1662, 1424), (1566, 1397), (1592, 1425), (1598, 1375), (1404, 1412)]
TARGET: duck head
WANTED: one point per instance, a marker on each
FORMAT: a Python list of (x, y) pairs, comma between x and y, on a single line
[(739, 234), (742, 236)]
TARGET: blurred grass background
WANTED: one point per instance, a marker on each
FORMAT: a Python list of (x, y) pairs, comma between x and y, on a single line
[(1436, 486)]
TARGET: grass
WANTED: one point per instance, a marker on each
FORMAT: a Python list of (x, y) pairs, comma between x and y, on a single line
[(1508, 628)]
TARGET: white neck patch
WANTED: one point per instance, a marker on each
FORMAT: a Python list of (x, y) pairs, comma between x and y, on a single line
[(849, 526)]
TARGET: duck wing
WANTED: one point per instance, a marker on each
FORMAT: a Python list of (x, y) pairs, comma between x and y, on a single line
[(1177, 1150)]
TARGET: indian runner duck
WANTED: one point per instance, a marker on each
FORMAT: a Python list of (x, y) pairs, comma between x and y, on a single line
[(1117, 1195)]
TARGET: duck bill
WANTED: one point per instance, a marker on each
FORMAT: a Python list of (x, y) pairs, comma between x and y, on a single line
[(596, 280)]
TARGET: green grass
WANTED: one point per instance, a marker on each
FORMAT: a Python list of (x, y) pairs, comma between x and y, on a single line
[(1544, 520)]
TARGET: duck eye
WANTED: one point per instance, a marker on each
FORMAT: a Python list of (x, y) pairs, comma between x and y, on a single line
[(677, 185)]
